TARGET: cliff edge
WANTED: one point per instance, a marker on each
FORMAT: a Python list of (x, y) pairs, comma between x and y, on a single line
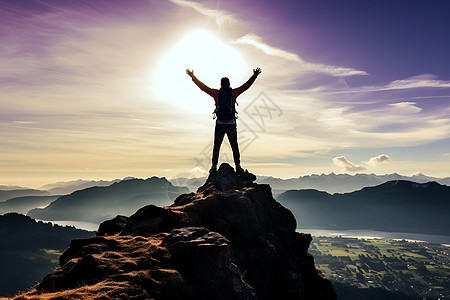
[(230, 240)]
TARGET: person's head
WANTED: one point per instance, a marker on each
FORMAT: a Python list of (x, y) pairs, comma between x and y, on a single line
[(225, 82)]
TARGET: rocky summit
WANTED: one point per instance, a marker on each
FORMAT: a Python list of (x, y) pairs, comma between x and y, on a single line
[(229, 240)]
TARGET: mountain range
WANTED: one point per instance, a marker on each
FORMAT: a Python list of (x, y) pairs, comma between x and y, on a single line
[(11, 187), (230, 205), (331, 183), (342, 183), (68, 187), (400, 206), (230, 240), (97, 204), (9, 194), (26, 203)]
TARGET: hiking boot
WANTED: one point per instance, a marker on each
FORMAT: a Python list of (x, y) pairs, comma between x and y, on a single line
[(239, 169), (213, 169)]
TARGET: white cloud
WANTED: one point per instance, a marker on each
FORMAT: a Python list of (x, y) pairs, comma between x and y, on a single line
[(24, 122), (382, 158), (406, 107), (346, 165), (220, 16), (414, 82), (199, 171), (256, 41), (419, 81), (418, 174)]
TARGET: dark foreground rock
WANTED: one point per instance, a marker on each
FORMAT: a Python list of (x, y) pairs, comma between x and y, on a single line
[(230, 240)]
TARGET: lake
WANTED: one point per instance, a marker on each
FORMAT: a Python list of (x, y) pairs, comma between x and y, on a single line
[(363, 234), (373, 234)]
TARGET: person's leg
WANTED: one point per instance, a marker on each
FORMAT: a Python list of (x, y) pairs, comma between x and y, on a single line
[(219, 133), (232, 138)]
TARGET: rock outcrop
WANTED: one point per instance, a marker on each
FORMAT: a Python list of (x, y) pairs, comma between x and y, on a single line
[(230, 240)]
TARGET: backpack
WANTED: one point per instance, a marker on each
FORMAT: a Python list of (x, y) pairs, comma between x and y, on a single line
[(225, 108)]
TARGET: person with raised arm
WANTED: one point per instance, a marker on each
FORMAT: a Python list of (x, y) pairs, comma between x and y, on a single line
[(225, 100)]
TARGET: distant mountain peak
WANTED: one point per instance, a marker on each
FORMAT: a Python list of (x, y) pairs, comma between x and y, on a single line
[(98, 203), (408, 183)]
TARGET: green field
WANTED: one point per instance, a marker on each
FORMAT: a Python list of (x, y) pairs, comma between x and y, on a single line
[(416, 269)]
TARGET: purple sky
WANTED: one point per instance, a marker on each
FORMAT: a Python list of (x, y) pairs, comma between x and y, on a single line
[(96, 89)]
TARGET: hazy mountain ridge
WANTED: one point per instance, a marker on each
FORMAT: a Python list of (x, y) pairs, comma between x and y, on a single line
[(23, 259), (331, 183), (399, 205), (11, 187), (9, 194), (96, 204), (342, 183), (68, 187), (24, 204)]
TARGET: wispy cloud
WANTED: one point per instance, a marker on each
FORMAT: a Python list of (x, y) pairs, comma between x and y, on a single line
[(405, 107), (254, 40), (257, 41), (419, 81), (346, 165), (414, 82), (221, 16), (24, 122)]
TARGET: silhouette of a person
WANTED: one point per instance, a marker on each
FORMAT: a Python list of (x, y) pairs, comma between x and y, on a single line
[(225, 126)]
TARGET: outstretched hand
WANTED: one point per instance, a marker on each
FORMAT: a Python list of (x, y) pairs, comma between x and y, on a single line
[(257, 71), (190, 72)]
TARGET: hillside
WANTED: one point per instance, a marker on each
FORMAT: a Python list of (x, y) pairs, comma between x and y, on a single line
[(230, 240), (97, 204), (401, 206), (29, 250), (24, 204), (9, 194)]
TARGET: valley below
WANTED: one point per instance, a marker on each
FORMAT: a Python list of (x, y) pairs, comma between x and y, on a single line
[(391, 269)]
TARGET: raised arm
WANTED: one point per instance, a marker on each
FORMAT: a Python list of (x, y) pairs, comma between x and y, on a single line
[(249, 82), (212, 92)]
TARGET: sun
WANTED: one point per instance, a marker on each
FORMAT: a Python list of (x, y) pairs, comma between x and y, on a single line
[(211, 59)]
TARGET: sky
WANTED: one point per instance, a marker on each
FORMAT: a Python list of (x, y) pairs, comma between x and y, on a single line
[(96, 89)]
